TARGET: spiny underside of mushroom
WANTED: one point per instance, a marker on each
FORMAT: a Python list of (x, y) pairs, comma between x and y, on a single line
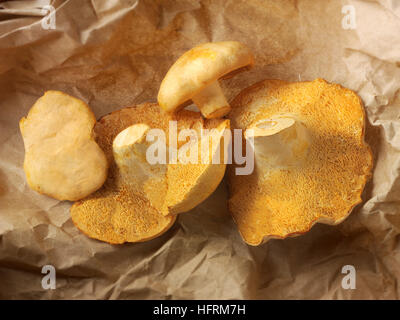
[(129, 208), (311, 161)]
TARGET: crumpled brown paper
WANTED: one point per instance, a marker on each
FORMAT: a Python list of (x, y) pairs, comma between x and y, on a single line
[(114, 53)]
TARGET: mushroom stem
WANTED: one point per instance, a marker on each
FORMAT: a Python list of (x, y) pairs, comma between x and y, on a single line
[(211, 101), (129, 149), (278, 142)]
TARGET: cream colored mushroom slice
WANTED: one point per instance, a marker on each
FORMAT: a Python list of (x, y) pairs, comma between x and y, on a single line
[(194, 77), (311, 161), (62, 159), (172, 188)]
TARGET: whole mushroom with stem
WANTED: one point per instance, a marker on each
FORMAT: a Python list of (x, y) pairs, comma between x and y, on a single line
[(194, 77)]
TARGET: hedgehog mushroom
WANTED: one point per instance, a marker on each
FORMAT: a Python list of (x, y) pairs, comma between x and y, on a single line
[(140, 200), (311, 161), (194, 76), (62, 159)]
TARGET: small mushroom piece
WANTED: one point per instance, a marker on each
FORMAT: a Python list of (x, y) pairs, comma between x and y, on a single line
[(279, 141), (194, 76), (62, 159)]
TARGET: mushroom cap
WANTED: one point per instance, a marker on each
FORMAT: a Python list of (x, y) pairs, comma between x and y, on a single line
[(199, 67), (120, 212), (278, 202), (62, 159)]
